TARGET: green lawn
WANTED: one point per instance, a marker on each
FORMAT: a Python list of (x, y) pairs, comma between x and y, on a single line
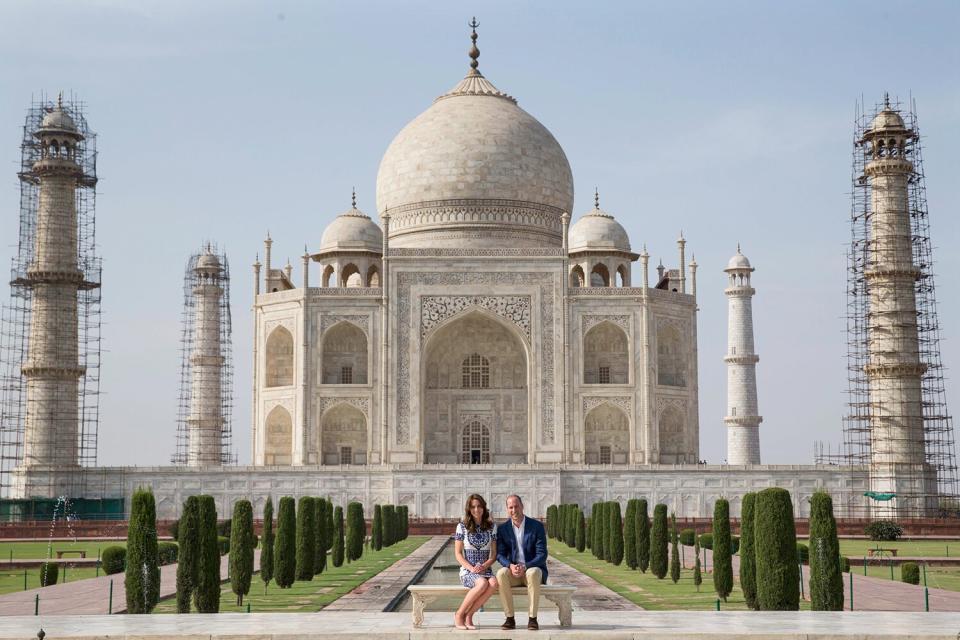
[(43, 549), (937, 577), (317, 593), (922, 548), (12, 579)]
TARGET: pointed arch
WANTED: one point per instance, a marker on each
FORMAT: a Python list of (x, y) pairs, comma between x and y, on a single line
[(577, 278), (278, 437), (671, 430), (344, 347), (606, 431), (373, 276), (623, 275), (279, 358), (327, 275), (671, 361), (343, 435), (606, 357), (350, 276), (599, 275)]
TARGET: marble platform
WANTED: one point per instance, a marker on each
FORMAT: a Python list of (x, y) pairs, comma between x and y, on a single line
[(599, 625)]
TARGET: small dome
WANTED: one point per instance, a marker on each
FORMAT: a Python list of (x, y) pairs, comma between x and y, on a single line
[(598, 231), (887, 119), (738, 261), (59, 120), (208, 261), (352, 231)]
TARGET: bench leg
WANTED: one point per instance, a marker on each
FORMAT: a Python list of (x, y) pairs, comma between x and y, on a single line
[(420, 603), (564, 607)]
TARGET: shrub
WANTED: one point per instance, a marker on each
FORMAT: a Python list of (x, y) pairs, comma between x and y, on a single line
[(910, 573), (389, 520), (826, 577), (338, 550), (305, 538), (49, 571), (734, 544), (285, 543), (328, 530), (189, 548), (643, 536), (844, 564), (206, 596), (551, 524), (175, 529), (883, 530), (658, 542), (748, 560), (630, 534), (356, 531), (167, 552), (594, 528), (572, 511), (319, 552), (674, 551), (706, 541), (376, 535), (241, 549), (697, 573), (223, 545), (142, 581), (113, 560), (722, 549), (601, 536), (616, 534), (224, 527), (803, 553), (266, 554), (581, 531), (405, 521), (778, 576), (687, 537)]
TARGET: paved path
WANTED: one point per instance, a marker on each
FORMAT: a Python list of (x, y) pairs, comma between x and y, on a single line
[(592, 625), (590, 594), (90, 596)]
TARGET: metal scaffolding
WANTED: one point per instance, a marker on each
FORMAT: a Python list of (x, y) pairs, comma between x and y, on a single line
[(64, 415)]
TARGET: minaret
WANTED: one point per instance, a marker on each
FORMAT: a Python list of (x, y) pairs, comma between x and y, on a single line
[(205, 423), (894, 369), (742, 420), (52, 367)]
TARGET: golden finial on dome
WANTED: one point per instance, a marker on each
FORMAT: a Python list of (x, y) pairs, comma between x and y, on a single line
[(474, 51)]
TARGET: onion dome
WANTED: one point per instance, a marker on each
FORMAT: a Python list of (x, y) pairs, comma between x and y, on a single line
[(58, 120), (352, 231), (597, 231), (738, 262)]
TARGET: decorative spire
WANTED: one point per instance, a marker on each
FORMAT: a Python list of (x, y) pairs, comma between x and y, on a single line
[(596, 198), (353, 198), (886, 99), (474, 51), (60, 100), (738, 248)]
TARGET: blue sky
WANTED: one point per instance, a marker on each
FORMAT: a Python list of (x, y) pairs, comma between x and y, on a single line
[(731, 121)]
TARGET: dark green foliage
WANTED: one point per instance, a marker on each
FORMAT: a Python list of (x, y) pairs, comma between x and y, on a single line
[(734, 544), (748, 560), (142, 581), (328, 530), (588, 540), (189, 544), (722, 550), (224, 527), (389, 522), (643, 536), (49, 571), (803, 553), (285, 543), (404, 521), (167, 552), (338, 542), (603, 529), (571, 529), (594, 529), (175, 529), (377, 534), (674, 550), (206, 595), (697, 573), (356, 531), (910, 573), (223, 545), (581, 531), (319, 551), (778, 576), (113, 560), (266, 554), (844, 564), (883, 530), (706, 540), (616, 534), (551, 524), (630, 534), (658, 542), (305, 540), (241, 549), (687, 537), (826, 577)]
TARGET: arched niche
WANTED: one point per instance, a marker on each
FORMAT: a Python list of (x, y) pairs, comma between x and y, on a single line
[(606, 358), (623, 276), (606, 435), (599, 275), (671, 430), (373, 276), (344, 354), (350, 276), (343, 435), (576, 276), (278, 437), (279, 358), (327, 275), (493, 389), (671, 363)]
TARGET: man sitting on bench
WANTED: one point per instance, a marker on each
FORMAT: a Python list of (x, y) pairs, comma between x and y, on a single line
[(522, 550)]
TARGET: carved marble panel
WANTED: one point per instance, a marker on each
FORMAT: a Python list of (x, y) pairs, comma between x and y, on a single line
[(434, 310)]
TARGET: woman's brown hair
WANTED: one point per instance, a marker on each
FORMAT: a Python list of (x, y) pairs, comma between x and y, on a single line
[(486, 522)]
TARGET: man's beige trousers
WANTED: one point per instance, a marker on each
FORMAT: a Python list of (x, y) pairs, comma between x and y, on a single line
[(532, 579)]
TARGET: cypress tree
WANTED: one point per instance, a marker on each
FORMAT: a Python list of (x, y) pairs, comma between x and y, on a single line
[(616, 534), (643, 536), (630, 534), (581, 531), (241, 549), (748, 559), (674, 551), (142, 580), (285, 544), (826, 579), (328, 530), (602, 527), (356, 531), (377, 533), (388, 523), (207, 592), (722, 549), (406, 521), (587, 534), (775, 539), (319, 553), (266, 544), (338, 550), (658, 542), (572, 519), (697, 574), (551, 525), (594, 525), (304, 539), (187, 541)]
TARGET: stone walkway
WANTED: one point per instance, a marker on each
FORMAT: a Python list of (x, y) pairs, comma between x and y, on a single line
[(90, 596), (590, 594)]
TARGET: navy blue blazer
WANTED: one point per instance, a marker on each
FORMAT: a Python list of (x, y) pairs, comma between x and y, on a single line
[(534, 545)]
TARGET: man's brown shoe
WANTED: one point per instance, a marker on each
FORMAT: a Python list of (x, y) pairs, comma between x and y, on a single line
[(509, 623), (532, 624)]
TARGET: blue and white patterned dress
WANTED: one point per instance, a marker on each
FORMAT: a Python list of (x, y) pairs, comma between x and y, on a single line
[(476, 550)]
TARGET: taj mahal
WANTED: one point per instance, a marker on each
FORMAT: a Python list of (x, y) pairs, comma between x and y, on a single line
[(479, 336)]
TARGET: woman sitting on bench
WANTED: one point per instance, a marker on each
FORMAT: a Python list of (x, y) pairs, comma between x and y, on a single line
[(476, 550)]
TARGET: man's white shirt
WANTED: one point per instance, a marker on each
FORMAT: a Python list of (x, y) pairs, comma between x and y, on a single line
[(518, 534)]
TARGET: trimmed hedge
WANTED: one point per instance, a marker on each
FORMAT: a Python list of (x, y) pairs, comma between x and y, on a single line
[(595, 529), (266, 553), (49, 572), (844, 564), (167, 552), (616, 534), (223, 545), (305, 539), (687, 537), (643, 536), (571, 528), (697, 573), (826, 577), (404, 521), (910, 573), (376, 535), (551, 524), (658, 542), (748, 560), (189, 549), (778, 576), (285, 544), (338, 544), (319, 551), (241, 549), (206, 595), (630, 533), (706, 540), (722, 549), (581, 531), (142, 580), (113, 559), (884, 530), (389, 526), (674, 550), (356, 531)]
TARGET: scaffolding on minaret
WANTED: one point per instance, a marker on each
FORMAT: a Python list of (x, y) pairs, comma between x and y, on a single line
[(860, 432), (206, 370), (18, 314)]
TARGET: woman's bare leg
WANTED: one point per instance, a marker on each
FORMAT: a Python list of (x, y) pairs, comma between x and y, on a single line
[(478, 589), (480, 601)]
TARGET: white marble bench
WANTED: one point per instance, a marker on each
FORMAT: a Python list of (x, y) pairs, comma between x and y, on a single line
[(424, 594)]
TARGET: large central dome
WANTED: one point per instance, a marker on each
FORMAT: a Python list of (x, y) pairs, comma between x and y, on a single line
[(474, 170)]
